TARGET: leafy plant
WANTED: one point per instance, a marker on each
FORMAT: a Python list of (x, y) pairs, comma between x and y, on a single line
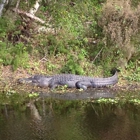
[(17, 56), (73, 64), (134, 68), (33, 95), (119, 21)]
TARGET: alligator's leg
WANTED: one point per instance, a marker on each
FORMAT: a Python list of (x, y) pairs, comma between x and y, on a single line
[(53, 86), (83, 84)]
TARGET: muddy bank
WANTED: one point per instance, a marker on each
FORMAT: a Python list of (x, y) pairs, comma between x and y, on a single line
[(8, 81)]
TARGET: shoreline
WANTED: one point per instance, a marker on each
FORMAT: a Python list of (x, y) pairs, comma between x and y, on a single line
[(8, 81)]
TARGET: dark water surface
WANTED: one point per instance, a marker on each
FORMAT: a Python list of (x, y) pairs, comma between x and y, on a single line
[(56, 119)]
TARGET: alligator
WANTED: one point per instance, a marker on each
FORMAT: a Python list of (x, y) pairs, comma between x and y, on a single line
[(71, 80)]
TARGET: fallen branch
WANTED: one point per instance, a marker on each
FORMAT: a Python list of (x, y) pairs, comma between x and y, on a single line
[(17, 5), (34, 9), (29, 15), (97, 54)]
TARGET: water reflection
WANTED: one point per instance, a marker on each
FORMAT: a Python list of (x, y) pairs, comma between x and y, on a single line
[(115, 123), (88, 94), (68, 120)]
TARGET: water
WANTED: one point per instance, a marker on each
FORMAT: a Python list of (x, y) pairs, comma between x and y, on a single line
[(59, 119)]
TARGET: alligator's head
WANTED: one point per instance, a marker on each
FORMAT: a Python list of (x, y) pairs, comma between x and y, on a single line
[(37, 80), (24, 80)]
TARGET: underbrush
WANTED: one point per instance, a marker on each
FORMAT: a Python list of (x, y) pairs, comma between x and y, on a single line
[(134, 71), (91, 37), (17, 56)]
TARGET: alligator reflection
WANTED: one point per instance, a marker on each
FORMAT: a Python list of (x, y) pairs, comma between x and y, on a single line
[(88, 94), (56, 119)]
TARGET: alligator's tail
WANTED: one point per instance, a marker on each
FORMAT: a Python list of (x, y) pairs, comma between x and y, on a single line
[(114, 70), (101, 82)]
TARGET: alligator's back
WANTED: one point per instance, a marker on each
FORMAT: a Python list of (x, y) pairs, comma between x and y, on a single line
[(65, 79), (70, 80)]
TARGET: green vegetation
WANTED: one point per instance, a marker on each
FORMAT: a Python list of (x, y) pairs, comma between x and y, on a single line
[(33, 95), (134, 71), (16, 56), (85, 36), (117, 101)]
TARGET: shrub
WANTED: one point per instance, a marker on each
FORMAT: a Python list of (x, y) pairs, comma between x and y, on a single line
[(16, 56), (119, 21)]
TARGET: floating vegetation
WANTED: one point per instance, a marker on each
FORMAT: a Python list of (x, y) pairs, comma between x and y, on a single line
[(33, 95)]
